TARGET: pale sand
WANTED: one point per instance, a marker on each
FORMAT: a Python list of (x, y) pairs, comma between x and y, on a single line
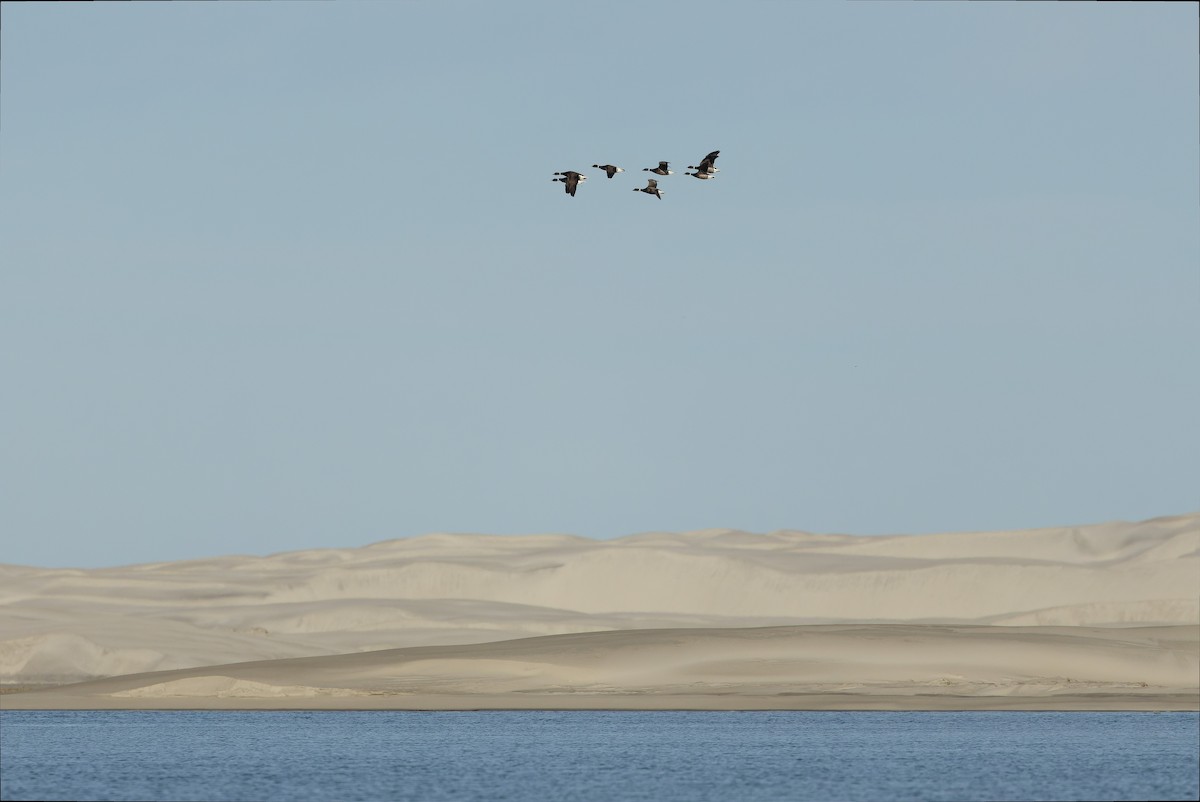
[(67, 625), (818, 667)]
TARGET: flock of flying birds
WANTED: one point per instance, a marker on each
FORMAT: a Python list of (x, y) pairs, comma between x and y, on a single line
[(704, 170)]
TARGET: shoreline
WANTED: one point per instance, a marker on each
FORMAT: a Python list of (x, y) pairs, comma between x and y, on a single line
[(1099, 702)]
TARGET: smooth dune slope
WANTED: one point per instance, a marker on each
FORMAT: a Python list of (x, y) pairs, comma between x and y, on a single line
[(832, 666), (71, 624)]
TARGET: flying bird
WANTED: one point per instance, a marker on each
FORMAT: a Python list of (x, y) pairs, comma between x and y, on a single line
[(700, 174), (610, 169), (707, 164), (661, 169), (571, 179), (651, 187)]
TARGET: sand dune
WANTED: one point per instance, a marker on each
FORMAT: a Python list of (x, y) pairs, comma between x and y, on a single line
[(832, 666), (72, 624), (224, 687)]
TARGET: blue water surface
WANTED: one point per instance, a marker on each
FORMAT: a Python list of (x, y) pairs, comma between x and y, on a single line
[(601, 756)]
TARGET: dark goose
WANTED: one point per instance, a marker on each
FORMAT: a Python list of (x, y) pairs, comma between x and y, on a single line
[(571, 179), (651, 188)]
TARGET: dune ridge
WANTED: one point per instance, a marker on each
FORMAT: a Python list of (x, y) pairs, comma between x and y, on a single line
[(60, 625)]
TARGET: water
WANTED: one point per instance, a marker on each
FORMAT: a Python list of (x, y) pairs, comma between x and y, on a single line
[(602, 756)]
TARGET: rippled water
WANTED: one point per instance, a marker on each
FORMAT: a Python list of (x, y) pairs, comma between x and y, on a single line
[(602, 756)]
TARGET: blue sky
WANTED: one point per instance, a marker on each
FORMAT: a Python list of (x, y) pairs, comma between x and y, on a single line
[(290, 275)]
